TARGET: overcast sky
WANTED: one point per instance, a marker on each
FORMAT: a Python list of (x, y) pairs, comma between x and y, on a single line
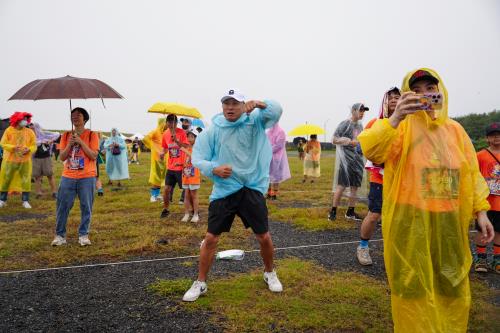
[(315, 57)]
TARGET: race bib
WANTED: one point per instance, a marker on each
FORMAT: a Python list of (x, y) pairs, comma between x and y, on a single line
[(173, 151), (76, 163), (440, 183), (494, 185), (189, 171)]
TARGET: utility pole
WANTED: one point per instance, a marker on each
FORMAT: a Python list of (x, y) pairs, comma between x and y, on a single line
[(324, 127)]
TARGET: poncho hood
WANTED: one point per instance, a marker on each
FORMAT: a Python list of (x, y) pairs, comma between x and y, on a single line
[(441, 115)]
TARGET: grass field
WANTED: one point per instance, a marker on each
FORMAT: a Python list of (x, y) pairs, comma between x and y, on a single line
[(126, 225)]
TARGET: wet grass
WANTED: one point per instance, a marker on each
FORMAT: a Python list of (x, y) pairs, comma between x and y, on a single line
[(314, 300), (126, 225)]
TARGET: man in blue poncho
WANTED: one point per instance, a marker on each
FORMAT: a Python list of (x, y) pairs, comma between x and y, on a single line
[(235, 153)]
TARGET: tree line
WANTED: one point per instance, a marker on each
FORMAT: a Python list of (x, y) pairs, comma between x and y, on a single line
[(475, 125)]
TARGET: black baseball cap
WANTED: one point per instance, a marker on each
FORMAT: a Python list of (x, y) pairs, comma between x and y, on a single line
[(492, 128), (422, 75), (84, 112)]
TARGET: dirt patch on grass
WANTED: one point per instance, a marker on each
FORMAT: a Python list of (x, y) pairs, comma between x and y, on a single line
[(10, 218)]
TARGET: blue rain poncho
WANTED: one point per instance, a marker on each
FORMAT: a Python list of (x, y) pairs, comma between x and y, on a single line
[(116, 165), (243, 145)]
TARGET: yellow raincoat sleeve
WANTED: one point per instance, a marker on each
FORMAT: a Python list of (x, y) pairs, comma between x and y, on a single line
[(480, 188), (380, 141), (6, 145)]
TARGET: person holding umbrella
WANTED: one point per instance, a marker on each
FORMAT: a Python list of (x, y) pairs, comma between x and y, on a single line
[(79, 149), (18, 143), (312, 159)]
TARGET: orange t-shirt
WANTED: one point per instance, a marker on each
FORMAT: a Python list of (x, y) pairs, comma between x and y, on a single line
[(190, 174), (78, 165), (375, 176), (490, 169), (175, 154)]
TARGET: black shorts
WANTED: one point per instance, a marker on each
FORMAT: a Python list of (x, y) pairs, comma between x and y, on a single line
[(350, 177), (375, 198), (173, 177), (249, 205), (494, 217)]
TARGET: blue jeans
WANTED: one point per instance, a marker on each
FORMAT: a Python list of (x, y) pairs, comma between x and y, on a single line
[(69, 188)]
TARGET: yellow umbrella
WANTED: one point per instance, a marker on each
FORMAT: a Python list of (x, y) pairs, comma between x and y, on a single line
[(306, 129), (175, 108)]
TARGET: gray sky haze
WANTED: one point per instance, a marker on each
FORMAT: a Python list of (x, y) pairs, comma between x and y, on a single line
[(315, 57)]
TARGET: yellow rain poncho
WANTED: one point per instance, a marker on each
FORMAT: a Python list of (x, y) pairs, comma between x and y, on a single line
[(15, 175), (432, 188), (153, 142)]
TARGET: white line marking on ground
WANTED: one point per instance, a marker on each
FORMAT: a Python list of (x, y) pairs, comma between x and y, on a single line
[(170, 259), (176, 258)]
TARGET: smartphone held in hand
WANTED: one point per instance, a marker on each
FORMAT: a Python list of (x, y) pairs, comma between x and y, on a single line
[(431, 101)]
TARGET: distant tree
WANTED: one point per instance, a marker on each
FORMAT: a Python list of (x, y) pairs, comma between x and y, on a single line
[(475, 124)]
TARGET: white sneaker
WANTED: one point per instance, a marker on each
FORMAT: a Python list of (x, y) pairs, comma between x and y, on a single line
[(195, 218), (159, 199), (58, 241), (273, 282), (185, 218), (84, 240), (26, 205), (3, 203), (197, 289), (363, 255), (152, 199)]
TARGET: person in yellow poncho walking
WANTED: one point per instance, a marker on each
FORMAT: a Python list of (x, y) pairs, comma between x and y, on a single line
[(312, 159), (432, 190), (18, 143), (158, 169)]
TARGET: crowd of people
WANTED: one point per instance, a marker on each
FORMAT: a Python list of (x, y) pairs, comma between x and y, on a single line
[(426, 184)]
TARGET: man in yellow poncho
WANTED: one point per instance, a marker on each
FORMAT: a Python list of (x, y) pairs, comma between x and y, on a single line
[(157, 172), (432, 190), (18, 143)]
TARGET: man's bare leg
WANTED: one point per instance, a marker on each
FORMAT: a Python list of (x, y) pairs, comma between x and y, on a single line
[(266, 250), (207, 254)]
